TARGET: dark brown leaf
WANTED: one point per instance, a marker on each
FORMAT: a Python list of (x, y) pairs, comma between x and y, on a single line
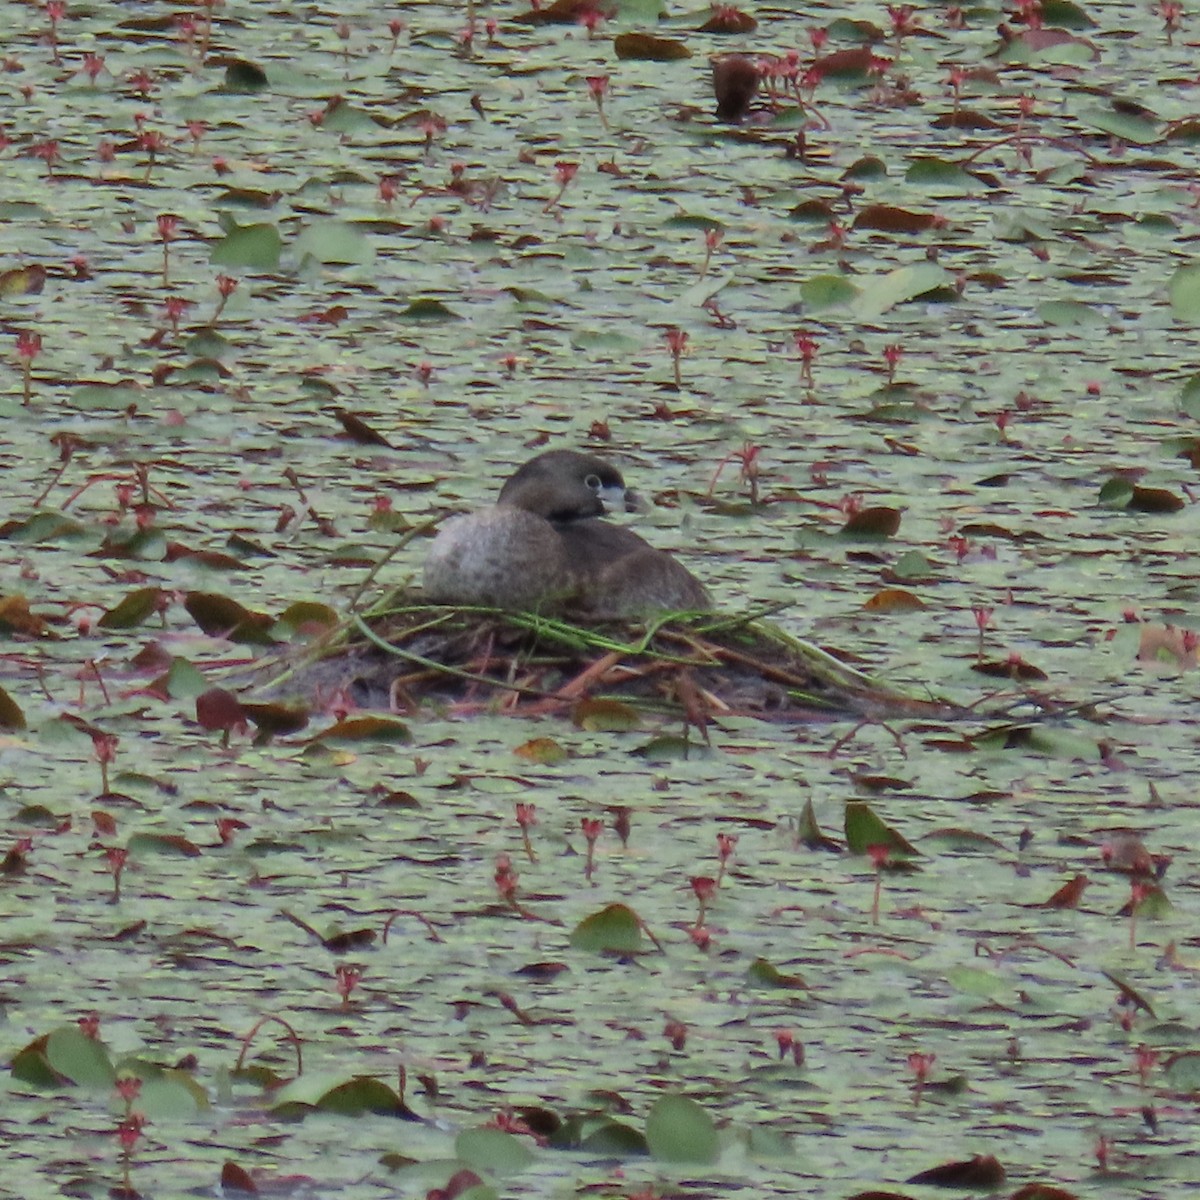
[(889, 219), (219, 709), (276, 719), (843, 63), (893, 600), (219, 616), (1042, 1191), (1154, 500), (647, 47), (11, 715), (984, 1170), (876, 521), (564, 12), (237, 1179), (727, 19), (1067, 896), (359, 430), (1009, 668)]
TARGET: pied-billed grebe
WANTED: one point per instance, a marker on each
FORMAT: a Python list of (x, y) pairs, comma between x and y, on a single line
[(545, 544)]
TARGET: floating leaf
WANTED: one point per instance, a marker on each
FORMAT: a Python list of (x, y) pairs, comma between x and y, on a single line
[(982, 1171), (220, 616), (367, 729), (650, 48), (1182, 1071), (353, 1097), (1155, 500), (824, 292), (170, 845), (1154, 904), (669, 747), (875, 522), (1185, 293), (1043, 45), (888, 600), (16, 617), (342, 117), (1067, 896), (245, 77), (928, 170), (727, 19), (219, 709), (43, 528), (1013, 667), (1129, 993), (81, 1059), (601, 715), (616, 929), (679, 1130), (22, 281), (912, 566), (306, 618), (1070, 314), (977, 981), (251, 247), (1042, 1191), (1119, 493), (815, 210), (1066, 14), (899, 286), (492, 1150), (1116, 493), (865, 829), (334, 242), (235, 1179), (611, 1139), (275, 720), (135, 608), (1129, 127), (957, 838), (763, 973), (809, 833), (11, 716), (426, 308), (167, 1094), (870, 166), (563, 12), (887, 218), (544, 750), (846, 65), (1189, 397)]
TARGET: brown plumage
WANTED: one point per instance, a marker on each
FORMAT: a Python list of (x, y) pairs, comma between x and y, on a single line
[(545, 544)]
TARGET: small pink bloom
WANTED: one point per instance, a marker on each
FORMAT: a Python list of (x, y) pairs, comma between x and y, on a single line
[(920, 1065)]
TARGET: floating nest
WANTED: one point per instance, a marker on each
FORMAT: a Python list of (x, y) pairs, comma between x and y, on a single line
[(405, 654)]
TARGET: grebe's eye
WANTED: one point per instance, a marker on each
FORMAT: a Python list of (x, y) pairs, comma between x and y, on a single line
[(592, 483)]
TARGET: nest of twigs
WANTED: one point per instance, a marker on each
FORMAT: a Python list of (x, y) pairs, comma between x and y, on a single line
[(404, 654)]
